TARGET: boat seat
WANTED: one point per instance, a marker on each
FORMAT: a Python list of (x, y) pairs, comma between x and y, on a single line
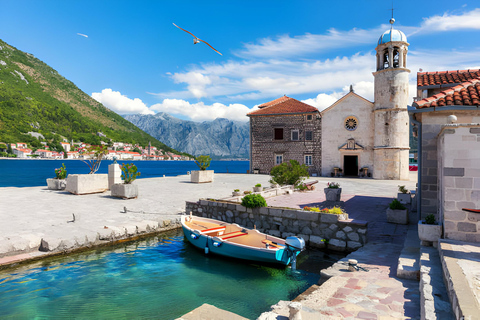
[(232, 235), (270, 243), (215, 229)]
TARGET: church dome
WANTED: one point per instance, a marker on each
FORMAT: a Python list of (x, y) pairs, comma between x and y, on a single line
[(392, 35)]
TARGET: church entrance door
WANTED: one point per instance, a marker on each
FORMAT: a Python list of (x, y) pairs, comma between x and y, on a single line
[(350, 165)]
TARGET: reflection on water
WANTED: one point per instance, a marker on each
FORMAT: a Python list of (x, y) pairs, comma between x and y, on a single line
[(161, 277)]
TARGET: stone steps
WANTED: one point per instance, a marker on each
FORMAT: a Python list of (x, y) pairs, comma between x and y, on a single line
[(408, 266)]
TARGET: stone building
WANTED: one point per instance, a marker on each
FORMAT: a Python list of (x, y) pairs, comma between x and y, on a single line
[(354, 136), (285, 129), (447, 118)]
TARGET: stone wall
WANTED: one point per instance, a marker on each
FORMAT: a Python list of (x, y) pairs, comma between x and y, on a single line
[(459, 181), (313, 227), (264, 147)]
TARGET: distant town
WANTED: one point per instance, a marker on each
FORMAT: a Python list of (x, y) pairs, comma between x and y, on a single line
[(82, 151)]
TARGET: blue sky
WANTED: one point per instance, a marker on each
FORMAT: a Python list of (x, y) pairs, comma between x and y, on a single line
[(129, 56)]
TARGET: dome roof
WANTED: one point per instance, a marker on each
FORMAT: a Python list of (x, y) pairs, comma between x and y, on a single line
[(392, 35)]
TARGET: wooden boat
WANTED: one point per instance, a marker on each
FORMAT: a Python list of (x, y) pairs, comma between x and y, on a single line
[(231, 240), (471, 210)]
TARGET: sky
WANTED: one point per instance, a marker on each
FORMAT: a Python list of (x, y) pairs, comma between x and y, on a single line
[(129, 56)]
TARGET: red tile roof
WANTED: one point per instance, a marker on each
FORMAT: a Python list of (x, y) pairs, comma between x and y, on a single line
[(465, 94), (446, 77), (283, 105)]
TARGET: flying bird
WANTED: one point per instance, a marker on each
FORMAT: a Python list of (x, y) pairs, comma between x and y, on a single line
[(197, 40), (83, 35)]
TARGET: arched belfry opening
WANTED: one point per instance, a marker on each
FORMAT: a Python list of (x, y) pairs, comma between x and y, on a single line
[(392, 49)]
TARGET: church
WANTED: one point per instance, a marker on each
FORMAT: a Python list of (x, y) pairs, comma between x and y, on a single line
[(353, 137)]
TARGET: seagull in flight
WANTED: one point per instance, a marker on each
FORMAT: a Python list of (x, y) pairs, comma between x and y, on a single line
[(197, 40)]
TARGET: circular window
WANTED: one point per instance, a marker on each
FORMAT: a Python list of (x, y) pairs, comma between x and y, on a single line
[(351, 123)]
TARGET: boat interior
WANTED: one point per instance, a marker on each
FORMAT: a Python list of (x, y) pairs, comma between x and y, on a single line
[(232, 232)]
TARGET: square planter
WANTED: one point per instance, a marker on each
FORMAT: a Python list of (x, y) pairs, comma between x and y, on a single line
[(404, 198), (397, 216), (56, 184), (429, 232), (87, 183), (236, 194), (202, 176), (332, 194), (257, 189), (125, 191)]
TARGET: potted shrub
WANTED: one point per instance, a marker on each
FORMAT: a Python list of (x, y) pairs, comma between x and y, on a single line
[(203, 175), (126, 190), (404, 195), (257, 188), (397, 213), (236, 193), (59, 182), (333, 192), (288, 173), (429, 230), (91, 182)]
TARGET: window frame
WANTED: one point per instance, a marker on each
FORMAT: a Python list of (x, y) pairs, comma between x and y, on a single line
[(308, 163), (275, 130), (311, 135), (298, 135), (276, 157)]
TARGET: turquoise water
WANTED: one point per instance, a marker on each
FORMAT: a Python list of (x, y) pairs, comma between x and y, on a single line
[(161, 277)]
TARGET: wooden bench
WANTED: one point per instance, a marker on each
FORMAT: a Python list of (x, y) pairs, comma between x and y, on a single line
[(232, 235), (270, 243)]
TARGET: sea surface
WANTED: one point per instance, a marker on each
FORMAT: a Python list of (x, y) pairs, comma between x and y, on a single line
[(161, 277), (34, 172)]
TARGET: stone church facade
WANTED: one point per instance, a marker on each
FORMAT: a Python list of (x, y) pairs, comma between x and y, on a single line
[(354, 136)]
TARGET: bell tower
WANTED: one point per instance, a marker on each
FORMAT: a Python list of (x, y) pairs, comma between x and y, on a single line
[(391, 142)]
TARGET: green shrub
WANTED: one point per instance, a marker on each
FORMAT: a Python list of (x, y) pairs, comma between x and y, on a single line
[(289, 173), (61, 173), (129, 173), (203, 162), (430, 219), (253, 201), (396, 205), (258, 185), (402, 189)]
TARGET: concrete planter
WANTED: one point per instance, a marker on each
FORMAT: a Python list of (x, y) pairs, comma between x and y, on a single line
[(202, 176), (236, 194), (429, 232), (125, 191), (397, 216), (56, 184), (404, 198), (257, 189), (332, 194), (87, 183)]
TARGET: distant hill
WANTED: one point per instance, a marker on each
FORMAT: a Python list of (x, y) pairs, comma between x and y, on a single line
[(220, 138), (35, 98)]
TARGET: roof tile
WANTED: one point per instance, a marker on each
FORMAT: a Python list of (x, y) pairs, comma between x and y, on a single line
[(466, 94), (446, 77), (283, 105)]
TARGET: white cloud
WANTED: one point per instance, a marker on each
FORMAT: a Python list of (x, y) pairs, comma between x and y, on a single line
[(119, 103), (449, 22), (83, 35), (202, 112)]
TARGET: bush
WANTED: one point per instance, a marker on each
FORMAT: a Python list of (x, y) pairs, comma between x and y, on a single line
[(430, 219), (253, 201), (258, 185), (129, 173), (396, 205), (289, 173), (402, 189), (61, 173), (203, 162)]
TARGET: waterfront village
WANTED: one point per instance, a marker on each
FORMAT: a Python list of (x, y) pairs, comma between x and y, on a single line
[(81, 150)]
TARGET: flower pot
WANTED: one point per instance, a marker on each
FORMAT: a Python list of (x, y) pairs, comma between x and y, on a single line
[(397, 216), (429, 232), (236, 194), (56, 184), (201, 176), (332, 194), (404, 198), (257, 189), (125, 191), (87, 183)]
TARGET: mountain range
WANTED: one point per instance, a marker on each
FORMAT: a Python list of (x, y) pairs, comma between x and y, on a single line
[(36, 101), (220, 138)]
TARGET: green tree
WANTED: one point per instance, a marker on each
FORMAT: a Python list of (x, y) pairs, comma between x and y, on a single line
[(289, 173)]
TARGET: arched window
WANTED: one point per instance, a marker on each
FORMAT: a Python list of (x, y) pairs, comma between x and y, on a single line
[(396, 58), (386, 62)]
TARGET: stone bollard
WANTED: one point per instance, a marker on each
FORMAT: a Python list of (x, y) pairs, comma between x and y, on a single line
[(114, 174), (295, 313)]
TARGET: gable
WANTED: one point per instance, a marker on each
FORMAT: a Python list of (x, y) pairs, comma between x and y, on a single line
[(350, 98)]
